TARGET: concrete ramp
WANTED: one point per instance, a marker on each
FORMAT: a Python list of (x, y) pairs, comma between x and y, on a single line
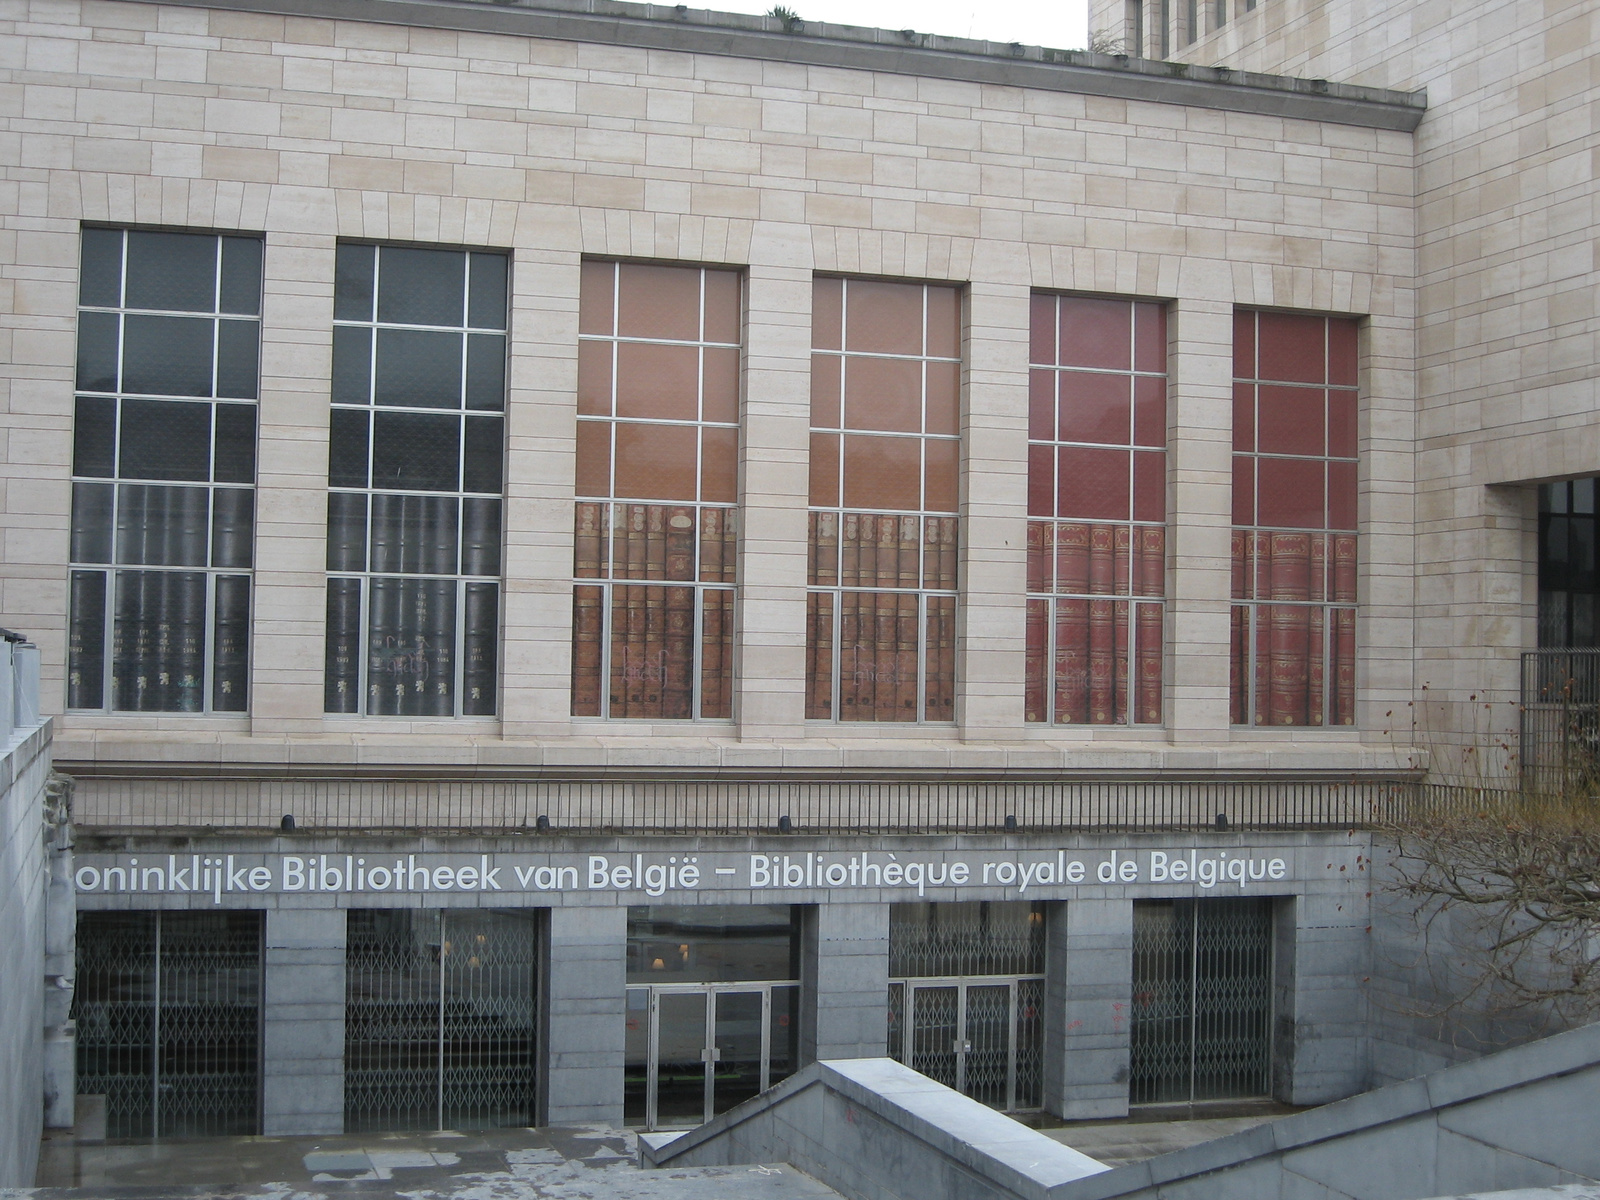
[(1525, 1118), (870, 1127)]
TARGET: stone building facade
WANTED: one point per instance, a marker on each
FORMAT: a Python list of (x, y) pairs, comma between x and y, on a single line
[(445, 443)]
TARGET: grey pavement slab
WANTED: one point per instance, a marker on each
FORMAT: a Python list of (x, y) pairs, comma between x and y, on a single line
[(557, 1163), (1118, 1143)]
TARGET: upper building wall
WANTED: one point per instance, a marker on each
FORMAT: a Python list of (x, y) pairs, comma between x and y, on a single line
[(311, 130), (1508, 318)]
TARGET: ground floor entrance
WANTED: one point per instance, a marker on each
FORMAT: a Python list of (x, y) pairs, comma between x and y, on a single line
[(694, 1051), (659, 982), (983, 1038)]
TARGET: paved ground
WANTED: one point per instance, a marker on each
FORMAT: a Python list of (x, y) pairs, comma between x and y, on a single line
[(1121, 1142), (575, 1163), (568, 1163)]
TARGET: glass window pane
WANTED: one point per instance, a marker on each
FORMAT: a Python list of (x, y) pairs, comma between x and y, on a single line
[(722, 318), (241, 275), (1292, 348), (593, 472), (86, 641), (167, 356), (233, 527), (482, 466), (1096, 407), (347, 448), (1149, 411), (352, 365), (158, 642), (656, 462), (883, 393), (712, 943), (719, 465), (883, 318), (587, 618), (230, 668), (94, 437), (486, 306), (165, 439), (1290, 421), (347, 531), (827, 314), (238, 359), (1290, 493), (421, 287), (597, 298), (480, 537), (882, 472), (341, 678), (235, 460), (944, 322), (658, 302), (414, 535), (486, 371), (481, 639), (411, 638), (941, 474), (100, 270), (97, 351), (1093, 484), (658, 382), (1096, 333), (162, 526), (353, 276), (418, 368), (416, 451), (91, 522), (176, 272)]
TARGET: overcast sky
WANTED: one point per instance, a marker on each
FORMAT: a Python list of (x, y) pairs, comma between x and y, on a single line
[(1059, 24)]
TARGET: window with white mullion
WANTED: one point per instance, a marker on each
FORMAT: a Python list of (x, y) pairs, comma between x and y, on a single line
[(416, 482), (164, 445)]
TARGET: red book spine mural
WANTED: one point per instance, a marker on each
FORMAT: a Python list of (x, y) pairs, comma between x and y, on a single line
[(1148, 630), (677, 658), (587, 617), (1036, 649), (819, 656), (1072, 661)]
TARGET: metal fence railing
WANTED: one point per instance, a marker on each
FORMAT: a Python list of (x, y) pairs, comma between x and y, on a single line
[(1560, 736), (735, 805)]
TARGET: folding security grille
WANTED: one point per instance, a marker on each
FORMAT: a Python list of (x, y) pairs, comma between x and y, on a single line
[(168, 1009), (972, 938), (965, 997), (439, 1019), (1202, 1000)]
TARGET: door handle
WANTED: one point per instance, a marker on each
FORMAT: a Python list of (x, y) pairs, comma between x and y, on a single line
[(961, 1046)]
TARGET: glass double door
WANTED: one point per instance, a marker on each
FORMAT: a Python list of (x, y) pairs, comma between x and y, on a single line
[(981, 1037), (696, 1050)]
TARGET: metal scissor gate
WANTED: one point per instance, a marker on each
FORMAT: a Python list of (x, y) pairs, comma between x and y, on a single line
[(168, 1010), (439, 1019), (1202, 1000)]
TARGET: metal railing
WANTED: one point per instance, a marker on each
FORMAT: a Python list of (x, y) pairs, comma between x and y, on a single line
[(1560, 735), (735, 806)]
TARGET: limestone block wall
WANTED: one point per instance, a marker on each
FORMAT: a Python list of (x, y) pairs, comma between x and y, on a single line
[(314, 129), (1508, 323), (24, 882)]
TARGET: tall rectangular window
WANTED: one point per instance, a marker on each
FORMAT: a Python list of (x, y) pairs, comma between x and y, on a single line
[(1097, 494), (415, 479), (884, 534), (656, 533), (1294, 520), (164, 471)]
